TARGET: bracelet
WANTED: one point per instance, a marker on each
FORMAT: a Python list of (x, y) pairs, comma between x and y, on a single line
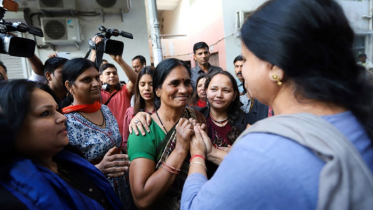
[(197, 156), (164, 166), (176, 169), (199, 164)]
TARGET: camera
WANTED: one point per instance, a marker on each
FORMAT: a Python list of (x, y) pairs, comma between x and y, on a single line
[(108, 46), (16, 46)]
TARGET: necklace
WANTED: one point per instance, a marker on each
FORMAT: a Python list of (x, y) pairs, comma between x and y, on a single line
[(161, 121), (221, 121), (100, 125)]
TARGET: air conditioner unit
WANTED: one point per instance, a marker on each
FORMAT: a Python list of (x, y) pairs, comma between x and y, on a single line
[(56, 5), (61, 31), (113, 6), (241, 17)]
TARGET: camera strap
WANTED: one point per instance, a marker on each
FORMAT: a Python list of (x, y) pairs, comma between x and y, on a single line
[(107, 102)]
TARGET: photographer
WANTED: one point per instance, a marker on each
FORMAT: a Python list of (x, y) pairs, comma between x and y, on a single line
[(114, 95)]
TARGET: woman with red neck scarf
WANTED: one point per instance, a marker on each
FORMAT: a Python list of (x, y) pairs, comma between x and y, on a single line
[(91, 126)]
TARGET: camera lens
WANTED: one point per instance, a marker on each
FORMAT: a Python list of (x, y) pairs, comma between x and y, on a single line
[(1, 77)]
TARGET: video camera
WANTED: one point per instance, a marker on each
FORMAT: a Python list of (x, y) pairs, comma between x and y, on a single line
[(108, 46), (15, 46)]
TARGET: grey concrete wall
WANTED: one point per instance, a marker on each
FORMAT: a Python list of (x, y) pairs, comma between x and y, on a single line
[(232, 42)]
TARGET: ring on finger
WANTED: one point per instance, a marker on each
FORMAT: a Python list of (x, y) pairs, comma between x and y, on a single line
[(136, 121)]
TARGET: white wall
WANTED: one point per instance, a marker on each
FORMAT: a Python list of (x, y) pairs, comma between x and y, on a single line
[(354, 11), (232, 42), (134, 22)]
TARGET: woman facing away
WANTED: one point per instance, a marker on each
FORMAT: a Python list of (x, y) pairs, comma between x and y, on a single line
[(225, 120), (199, 96), (159, 162), (316, 152), (144, 99), (91, 126), (36, 172)]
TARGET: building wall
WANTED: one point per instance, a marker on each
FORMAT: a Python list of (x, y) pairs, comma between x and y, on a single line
[(201, 20), (232, 41), (354, 11), (134, 22)]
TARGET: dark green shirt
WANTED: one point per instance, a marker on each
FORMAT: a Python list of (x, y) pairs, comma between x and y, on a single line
[(145, 146)]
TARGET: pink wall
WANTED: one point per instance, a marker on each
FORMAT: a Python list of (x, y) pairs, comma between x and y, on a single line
[(183, 47)]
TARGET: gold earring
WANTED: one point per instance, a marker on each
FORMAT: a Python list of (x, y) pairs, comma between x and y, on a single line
[(275, 77)]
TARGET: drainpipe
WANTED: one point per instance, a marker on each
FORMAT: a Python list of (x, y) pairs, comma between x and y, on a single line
[(154, 32), (370, 28)]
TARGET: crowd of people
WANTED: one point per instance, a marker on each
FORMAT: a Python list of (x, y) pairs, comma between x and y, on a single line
[(282, 133)]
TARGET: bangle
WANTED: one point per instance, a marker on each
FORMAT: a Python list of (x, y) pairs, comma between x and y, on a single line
[(176, 169), (199, 164), (196, 156), (170, 168)]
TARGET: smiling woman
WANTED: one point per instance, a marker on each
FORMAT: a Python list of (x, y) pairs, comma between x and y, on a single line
[(35, 171), (101, 140), (159, 159), (225, 119)]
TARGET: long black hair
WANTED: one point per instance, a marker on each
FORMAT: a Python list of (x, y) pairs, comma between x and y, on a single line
[(139, 101), (15, 100), (71, 71), (162, 70), (234, 110), (311, 41)]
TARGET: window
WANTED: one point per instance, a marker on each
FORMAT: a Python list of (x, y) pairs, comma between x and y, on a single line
[(359, 45)]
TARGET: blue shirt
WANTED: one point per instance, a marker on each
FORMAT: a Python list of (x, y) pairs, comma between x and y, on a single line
[(266, 171)]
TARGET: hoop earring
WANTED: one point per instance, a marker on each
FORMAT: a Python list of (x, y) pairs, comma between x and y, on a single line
[(275, 77)]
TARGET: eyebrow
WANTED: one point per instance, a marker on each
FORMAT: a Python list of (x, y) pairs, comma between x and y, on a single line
[(47, 107), (222, 87)]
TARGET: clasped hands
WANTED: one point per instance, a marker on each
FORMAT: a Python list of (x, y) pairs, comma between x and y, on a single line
[(191, 137)]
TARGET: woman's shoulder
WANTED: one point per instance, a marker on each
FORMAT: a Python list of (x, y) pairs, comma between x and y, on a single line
[(106, 111), (130, 110), (148, 135)]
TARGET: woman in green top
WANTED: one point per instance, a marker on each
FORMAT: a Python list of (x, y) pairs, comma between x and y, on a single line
[(159, 162)]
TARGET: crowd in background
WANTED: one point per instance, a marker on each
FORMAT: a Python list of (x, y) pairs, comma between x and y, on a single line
[(282, 133)]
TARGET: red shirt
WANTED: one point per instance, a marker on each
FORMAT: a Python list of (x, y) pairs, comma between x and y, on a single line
[(118, 104)]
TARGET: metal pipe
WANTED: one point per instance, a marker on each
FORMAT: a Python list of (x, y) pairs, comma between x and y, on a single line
[(154, 32)]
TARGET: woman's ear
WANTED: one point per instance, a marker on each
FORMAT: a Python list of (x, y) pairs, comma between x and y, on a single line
[(69, 86), (276, 74), (158, 92)]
